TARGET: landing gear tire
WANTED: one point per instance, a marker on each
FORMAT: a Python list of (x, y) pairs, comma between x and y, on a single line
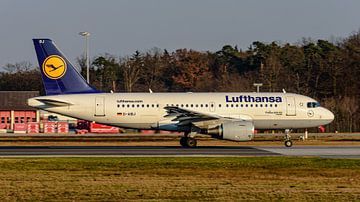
[(183, 141), (191, 142), (188, 142), (288, 143)]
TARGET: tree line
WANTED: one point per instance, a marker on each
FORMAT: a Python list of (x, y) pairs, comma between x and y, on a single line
[(327, 71)]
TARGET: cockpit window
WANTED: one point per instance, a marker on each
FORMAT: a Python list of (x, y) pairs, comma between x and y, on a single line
[(313, 104)]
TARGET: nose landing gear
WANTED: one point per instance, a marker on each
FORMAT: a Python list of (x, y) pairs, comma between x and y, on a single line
[(288, 142)]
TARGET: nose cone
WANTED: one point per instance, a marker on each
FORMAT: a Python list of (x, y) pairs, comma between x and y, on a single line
[(328, 116)]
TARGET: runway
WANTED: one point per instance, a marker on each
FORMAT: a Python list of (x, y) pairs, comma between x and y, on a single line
[(132, 151), (173, 151)]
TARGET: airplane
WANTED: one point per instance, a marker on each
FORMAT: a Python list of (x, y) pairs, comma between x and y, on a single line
[(53, 67), (228, 116)]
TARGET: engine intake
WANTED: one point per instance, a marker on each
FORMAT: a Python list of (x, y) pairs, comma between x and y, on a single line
[(233, 130)]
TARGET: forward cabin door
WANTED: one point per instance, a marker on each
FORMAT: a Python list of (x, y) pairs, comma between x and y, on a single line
[(290, 106), (99, 106)]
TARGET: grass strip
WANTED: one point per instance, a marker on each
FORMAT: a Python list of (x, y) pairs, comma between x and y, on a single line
[(185, 178)]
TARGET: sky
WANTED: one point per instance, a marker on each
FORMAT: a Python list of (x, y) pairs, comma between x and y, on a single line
[(120, 27)]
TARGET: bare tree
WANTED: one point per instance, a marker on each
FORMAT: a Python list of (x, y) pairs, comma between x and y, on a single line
[(349, 106), (18, 67), (131, 69)]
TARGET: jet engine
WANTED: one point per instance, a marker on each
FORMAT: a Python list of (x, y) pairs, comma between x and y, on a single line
[(233, 130)]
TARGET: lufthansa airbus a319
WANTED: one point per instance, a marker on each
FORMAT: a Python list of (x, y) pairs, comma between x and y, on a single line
[(227, 116)]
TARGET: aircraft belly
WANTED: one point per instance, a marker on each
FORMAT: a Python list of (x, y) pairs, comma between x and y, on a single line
[(286, 124)]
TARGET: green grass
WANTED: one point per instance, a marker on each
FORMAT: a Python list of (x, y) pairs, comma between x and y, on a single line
[(193, 179)]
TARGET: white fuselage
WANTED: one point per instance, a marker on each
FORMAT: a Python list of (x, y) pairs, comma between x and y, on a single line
[(146, 110)]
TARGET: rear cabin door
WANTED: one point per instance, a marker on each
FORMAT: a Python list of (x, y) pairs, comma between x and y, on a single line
[(100, 106), (290, 106)]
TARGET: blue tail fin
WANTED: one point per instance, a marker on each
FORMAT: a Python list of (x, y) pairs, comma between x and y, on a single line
[(58, 74)]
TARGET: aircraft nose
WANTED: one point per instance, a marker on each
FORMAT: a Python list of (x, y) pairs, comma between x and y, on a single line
[(328, 116)]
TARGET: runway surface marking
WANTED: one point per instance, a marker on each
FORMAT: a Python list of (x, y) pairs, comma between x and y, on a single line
[(131, 151), (322, 151)]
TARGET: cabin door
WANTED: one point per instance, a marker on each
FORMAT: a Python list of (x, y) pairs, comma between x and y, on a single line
[(290, 106), (100, 106)]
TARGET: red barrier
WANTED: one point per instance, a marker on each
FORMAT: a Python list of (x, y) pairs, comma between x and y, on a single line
[(322, 129), (33, 127), (147, 132), (62, 127), (4, 126), (100, 128), (20, 127), (49, 127)]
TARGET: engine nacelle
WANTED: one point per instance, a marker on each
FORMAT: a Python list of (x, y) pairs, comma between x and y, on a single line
[(233, 130)]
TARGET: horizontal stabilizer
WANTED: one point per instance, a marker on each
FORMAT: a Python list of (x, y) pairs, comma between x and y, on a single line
[(53, 102)]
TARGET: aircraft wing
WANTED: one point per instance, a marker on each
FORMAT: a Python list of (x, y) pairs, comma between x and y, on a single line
[(185, 116)]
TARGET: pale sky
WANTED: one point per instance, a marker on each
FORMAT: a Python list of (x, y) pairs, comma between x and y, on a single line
[(121, 27)]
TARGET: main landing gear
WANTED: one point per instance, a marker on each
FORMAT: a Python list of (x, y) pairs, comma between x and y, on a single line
[(188, 141), (288, 142)]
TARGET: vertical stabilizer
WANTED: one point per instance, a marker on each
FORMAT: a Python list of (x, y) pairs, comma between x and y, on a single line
[(58, 74)]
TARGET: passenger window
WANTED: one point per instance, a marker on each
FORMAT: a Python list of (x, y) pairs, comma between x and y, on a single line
[(206, 105), (276, 105)]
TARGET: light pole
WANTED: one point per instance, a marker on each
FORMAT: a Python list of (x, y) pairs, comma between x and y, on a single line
[(258, 85), (87, 55)]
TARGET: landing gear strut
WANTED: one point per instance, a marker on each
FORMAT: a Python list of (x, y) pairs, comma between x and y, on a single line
[(188, 141), (288, 142)]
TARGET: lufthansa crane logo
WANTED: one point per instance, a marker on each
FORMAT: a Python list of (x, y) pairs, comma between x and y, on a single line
[(54, 67)]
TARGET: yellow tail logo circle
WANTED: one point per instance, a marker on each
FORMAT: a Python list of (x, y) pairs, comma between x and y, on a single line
[(54, 67)]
